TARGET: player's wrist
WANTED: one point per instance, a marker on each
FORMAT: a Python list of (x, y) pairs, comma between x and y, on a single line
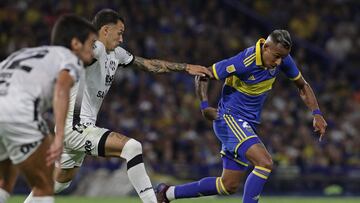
[(187, 67), (316, 112), (204, 105)]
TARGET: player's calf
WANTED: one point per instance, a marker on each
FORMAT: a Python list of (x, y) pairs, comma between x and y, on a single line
[(131, 151), (261, 159), (229, 186), (63, 179)]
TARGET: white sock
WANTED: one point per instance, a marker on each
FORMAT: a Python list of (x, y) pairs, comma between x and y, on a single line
[(4, 195), (59, 187), (138, 177), (170, 193), (42, 199), (29, 198)]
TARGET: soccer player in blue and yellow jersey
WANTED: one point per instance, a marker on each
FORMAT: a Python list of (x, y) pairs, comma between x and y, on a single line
[(248, 79)]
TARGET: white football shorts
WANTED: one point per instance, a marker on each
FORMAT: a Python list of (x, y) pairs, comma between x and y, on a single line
[(19, 140), (87, 139)]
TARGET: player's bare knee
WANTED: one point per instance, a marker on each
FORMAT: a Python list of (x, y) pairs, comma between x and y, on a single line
[(266, 163), (114, 144), (231, 186), (119, 137)]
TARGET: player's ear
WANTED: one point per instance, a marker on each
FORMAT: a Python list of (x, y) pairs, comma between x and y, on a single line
[(105, 29), (266, 45), (75, 44)]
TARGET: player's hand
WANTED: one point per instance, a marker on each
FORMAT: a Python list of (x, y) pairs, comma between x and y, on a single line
[(210, 113), (198, 70), (320, 125), (55, 150)]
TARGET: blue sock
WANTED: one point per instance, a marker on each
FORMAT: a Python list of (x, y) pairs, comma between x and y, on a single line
[(254, 184), (204, 187)]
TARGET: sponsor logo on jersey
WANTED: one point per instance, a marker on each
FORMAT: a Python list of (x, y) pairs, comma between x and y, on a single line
[(230, 69), (111, 64), (109, 79), (101, 94)]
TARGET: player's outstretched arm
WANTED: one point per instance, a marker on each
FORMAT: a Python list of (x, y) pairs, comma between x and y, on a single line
[(201, 88), (60, 105), (308, 96), (160, 66)]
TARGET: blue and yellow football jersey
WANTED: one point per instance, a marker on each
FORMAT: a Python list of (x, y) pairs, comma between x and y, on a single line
[(248, 82)]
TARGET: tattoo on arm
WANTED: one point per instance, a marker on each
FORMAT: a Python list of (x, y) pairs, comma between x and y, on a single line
[(157, 66), (203, 92)]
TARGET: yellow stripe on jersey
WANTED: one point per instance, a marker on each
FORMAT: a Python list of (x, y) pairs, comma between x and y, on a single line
[(260, 175), (296, 78), (258, 51), (247, 59), (214, 72), (247, 63), (233, 128), (249, 89)]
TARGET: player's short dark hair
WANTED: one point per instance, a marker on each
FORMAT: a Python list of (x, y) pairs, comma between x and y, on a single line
[(282, 37), (105, 17), (71, 26)]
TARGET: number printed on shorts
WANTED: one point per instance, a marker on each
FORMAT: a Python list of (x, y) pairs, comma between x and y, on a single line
[(25, 148)]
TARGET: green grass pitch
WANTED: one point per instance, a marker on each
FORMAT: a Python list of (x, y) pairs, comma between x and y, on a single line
[(74, 199)]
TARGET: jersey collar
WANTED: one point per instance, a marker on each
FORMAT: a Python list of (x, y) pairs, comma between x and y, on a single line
[(258, 52)]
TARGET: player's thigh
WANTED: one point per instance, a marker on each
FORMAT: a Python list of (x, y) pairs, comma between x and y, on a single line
[(37, 173), (259, 156), (64, 175), (236, 136), (114, 144), (8, 175)]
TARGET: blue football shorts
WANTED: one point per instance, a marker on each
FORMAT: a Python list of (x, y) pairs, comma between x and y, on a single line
[(236, 136)]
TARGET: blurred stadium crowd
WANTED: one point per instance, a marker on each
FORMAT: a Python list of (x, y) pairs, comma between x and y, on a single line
[(162, 112)]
